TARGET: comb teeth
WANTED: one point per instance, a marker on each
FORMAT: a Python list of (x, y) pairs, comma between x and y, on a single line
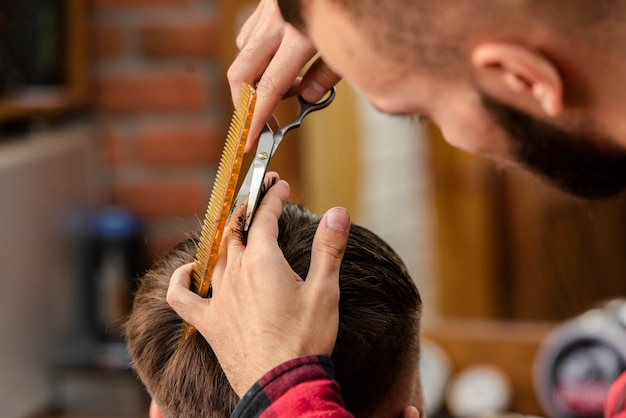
[(223, 190), (222, 195)]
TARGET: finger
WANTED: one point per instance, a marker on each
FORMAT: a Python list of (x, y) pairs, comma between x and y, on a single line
[(270, 179), (265, 222), (233, 236), (251, 62), (180, 298), (222, 258), (266, 14), (233, 243), (182, 276), (278, 77), (294, 89), (318, 79), (329, 245), (258, 41), (249, 27)]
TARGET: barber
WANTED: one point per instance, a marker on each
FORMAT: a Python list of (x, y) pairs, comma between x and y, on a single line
[(539, 84)]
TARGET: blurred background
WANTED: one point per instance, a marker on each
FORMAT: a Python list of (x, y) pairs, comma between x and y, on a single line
[(113, 115)]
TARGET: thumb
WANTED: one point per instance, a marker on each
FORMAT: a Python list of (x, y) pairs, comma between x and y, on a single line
[(329, 246), (318, 79)]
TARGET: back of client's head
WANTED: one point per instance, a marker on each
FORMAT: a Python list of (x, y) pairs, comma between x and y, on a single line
[(377, 350)]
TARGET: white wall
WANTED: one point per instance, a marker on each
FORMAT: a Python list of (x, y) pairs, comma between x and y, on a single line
[(43, 185), (394, 194)]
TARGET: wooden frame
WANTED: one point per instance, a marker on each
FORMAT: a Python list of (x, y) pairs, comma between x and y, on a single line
[(73, 93)]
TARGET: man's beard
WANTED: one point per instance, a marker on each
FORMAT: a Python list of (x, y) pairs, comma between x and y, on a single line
[(572, 161)]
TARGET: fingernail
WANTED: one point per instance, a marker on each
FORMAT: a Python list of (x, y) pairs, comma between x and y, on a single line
[(312, 91), (338, 219)]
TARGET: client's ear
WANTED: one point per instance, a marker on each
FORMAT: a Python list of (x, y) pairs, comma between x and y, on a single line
[(518, 72), (154, 410), (410, 412)]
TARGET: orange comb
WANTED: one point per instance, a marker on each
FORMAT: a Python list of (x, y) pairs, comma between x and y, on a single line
[(222, 196)]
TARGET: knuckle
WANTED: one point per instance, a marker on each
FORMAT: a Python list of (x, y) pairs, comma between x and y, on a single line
[(234, 72), (177, 305), (333, 253), (172, 300), (269, 86), (240, 40)]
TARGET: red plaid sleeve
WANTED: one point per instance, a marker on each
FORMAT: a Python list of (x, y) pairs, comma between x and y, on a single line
[(302, 387)]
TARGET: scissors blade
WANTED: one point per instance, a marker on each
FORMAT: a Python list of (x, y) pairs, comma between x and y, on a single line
[(259, 168), (250, 189), (251, 186), (242, 195)]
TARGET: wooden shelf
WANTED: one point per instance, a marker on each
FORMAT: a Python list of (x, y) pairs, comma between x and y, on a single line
[(508, 345)]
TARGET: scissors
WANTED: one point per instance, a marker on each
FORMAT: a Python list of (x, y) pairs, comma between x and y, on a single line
[(268, 143)]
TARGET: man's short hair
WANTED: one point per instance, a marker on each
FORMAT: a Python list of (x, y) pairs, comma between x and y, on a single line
[(377, 347)]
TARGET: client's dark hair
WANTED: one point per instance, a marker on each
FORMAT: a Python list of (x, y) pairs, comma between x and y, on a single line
[(377, 345)]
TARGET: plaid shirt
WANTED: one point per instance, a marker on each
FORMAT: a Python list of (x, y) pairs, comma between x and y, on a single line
[(302, 387), (305, 387)]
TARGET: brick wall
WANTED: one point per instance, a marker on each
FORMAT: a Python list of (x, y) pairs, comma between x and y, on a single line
[(157, 85)]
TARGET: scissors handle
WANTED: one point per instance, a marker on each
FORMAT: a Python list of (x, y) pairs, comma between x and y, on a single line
[(305, 109)]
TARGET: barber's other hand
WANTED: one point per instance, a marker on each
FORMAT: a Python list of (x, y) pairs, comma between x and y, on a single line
[(272, 54), (261, 313)]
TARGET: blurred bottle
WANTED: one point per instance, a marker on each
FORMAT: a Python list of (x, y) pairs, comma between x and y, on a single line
[(113, 258)]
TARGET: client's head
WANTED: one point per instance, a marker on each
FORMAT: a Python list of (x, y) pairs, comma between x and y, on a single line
[(375, 357)]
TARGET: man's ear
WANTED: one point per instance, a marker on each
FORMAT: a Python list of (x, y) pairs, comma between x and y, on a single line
[(518, 70), (154, 410), (410, 412)]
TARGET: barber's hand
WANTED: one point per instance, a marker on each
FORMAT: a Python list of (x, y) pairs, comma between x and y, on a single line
[(261, 313), (272, 54)]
